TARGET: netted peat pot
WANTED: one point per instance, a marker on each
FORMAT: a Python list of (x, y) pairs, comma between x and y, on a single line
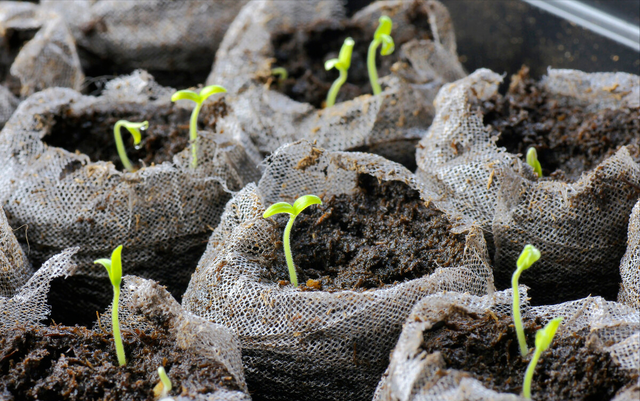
[(62, 185), (363, 257), (585, 129), (300, 37)]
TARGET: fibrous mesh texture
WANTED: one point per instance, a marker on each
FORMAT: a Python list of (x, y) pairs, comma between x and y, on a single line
[(162, 214), (630, 264), (413, 375), (8, 104), (143, 303), (388, 124), (15, 269), (47, 59), (333, 345), (579, 227)]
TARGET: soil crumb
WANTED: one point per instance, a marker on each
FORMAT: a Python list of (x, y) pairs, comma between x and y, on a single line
[(571, 369), (569, 139), (380, 235), (74, 363)]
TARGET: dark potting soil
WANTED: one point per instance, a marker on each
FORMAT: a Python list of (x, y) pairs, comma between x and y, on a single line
[(569, 139), (74, 363), (303, 54), (381, 234), (486, 346), (167, 135)]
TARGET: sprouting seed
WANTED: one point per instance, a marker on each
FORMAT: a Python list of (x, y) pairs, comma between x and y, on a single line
[(381, 35), (164, 387), (193, 125), (134, 129), (114, 269), (342, 64), (283, 207), (281, 72), (528, 257), (544, 337), (532, 160)]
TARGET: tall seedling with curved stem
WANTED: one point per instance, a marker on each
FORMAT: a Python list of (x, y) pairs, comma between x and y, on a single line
[(382, 36), (342, 64), (114, 269), (199, 99), (528, 257), (283, 207), (134, 129)]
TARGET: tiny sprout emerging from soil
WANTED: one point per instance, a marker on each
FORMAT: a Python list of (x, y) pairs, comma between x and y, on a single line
[(283, 207), (342, 64), (193, 125), (164, 387), (382, 35), (532, 160), (114, 269), (528, 257), (281, 72), (544, 337), (134, 129)]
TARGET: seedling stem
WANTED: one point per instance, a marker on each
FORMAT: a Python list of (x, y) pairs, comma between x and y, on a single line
[(544, 337), (134, 129), (528, 257), (342, 64), (382, 35)]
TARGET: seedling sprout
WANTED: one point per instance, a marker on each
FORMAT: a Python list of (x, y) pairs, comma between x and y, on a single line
[(193, 125), (134, 129), (544, 337), (114, 269), (342, 64), (283, 207), (164, 387), (281, 72), (382, 35), (528, 257), (532, 160)]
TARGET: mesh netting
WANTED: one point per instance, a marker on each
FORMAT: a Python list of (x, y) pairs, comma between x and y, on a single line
[(336, 344), (413, 375), (162, 213), (15, 269), (8, 104), (579, 226), (280, 34), (630, 264), (47, 59)]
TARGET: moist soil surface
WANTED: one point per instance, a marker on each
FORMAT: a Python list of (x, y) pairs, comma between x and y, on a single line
[(380, 235), (303, 54), (92, 133), (486, 347), (74, 363), (569, 139)]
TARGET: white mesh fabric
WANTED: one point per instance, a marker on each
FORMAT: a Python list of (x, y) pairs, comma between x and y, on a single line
[(388, 124), (8, 104), (67, 200), (286, 333), (28, 306), (413, 375), (143, 303), (578, 227), (630, 263), (15, 269)]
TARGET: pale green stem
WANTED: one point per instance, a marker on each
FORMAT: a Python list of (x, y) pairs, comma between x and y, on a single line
[(287, 251), (117, 339), (335, 88), (371, 66), (517, 320), (528, 375), (193, 135), (120, 146)]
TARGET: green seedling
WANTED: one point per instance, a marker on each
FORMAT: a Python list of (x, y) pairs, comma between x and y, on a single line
[(342, 64), (193, 125), (164, 385), (544, 337), (382, 36), (528, 257), (114, 269), (532, 160), (134, 129), (283, 207), (281, 72)]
